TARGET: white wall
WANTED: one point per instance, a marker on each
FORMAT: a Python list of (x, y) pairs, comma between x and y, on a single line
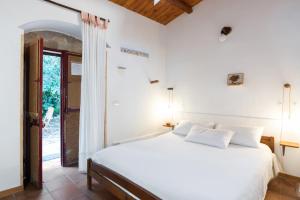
[(264, 44), (130, 88)]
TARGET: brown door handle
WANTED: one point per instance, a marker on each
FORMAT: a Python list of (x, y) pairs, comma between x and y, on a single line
[(34, 122), (34, 119)]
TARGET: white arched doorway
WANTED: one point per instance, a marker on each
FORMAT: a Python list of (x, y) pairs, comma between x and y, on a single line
[(49, 38), (67, 28)]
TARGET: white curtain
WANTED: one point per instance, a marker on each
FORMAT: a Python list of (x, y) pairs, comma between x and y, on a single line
[(92, 108)]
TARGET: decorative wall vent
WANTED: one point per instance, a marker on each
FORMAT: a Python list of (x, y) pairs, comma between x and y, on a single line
[(134, 52)]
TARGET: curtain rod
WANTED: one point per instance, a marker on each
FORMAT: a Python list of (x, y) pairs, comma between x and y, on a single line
[(69, 8)]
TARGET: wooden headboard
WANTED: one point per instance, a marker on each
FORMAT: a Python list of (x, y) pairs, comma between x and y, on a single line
[(268, 140)]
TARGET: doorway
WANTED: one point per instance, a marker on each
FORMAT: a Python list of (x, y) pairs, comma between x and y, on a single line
[(52, 83), (51, 109)]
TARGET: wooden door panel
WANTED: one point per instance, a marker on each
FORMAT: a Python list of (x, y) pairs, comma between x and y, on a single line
[(74, 95), (71, 113), (71, 137), (33, 78), (74, 84), (34, 158), (35, 111)]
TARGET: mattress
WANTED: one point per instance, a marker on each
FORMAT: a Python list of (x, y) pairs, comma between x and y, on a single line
[(173, 169)]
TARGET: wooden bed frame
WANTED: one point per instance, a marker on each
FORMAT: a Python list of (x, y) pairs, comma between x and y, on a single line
[(112, 181)]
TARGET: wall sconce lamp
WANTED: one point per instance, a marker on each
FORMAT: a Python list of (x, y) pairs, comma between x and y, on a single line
[(170, 103), (170, 111), (285, 113), (171, 95), (121, 68), (288, 87), (286, 117), (226, 30)]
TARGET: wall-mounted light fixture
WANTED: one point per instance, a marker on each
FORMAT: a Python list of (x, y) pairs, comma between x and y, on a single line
[(121, 68), (154, 81), (226, 30), (286, 101), (170, 105), (287, 123)]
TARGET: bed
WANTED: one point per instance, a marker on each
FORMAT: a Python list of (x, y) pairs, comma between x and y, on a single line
[(167, 167)]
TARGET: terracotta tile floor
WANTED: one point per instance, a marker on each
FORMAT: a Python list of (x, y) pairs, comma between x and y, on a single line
[(68, 184), (284, 188), (63, 184)]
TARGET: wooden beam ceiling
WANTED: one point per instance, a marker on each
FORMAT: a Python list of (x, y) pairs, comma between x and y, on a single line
[(163, 12)]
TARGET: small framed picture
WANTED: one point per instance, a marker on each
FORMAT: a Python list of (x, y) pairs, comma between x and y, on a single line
[(235, 79)]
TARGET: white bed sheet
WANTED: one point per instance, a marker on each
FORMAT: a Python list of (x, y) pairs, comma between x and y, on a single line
[(173, 169)]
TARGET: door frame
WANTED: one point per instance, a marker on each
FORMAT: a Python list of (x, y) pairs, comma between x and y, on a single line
[(41, 62), (63, 93), (63, 80), (58, 53)]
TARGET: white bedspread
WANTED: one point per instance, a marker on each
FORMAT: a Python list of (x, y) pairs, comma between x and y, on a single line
[(173, 169)]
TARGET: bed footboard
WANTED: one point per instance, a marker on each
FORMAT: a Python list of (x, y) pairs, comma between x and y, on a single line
[(109, 178)]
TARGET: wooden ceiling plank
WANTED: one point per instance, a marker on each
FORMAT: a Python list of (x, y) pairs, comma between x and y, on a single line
[(129, 3), (182, 5), (139, 4), (173, 12), (143, 6), (171, 17), (148, 11), (160, 9), (163, 12)]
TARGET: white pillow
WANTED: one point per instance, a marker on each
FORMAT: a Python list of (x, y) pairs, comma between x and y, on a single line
[(184, 127), (245, 136), (212, 137)]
